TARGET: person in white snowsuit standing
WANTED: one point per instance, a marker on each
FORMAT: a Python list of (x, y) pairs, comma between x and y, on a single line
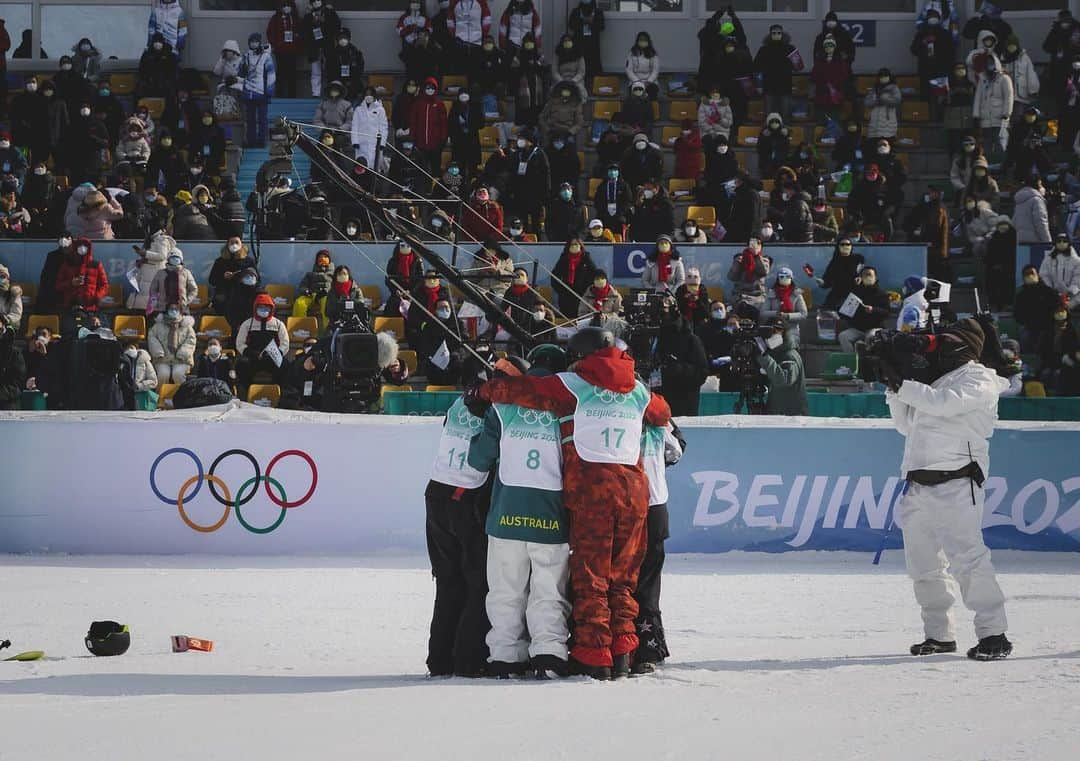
[(369, 127), (947, 426), (528, 560)]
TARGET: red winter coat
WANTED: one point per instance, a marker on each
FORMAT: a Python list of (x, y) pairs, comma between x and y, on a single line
[(478, 217), (427, 122), (5, 46), (688, 156), (831, 81), (95, 283), (275, 33)]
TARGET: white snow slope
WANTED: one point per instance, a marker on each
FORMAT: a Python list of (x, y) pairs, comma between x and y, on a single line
[(794, 657)]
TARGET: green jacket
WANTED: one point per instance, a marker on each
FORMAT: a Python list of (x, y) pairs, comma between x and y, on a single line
[(787, 380), (517, 513)]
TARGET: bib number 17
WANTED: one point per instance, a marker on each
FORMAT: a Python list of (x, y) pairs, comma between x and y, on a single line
[(609, 434)]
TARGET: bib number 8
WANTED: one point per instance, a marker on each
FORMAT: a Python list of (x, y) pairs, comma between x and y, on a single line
[(613, 433), (532, 462)]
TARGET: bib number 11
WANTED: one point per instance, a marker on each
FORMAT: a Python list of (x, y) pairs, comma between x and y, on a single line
[(613, 433), (460, 459)]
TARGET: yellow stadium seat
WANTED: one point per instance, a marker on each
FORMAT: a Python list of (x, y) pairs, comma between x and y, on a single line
[(301, 329), (155, 106), (681, 190), (1034, 389), (838, 212), (201, 300), (605, 86), (655, 111), (604, 109), (408, 356), (914, 111), (908, 137), (128, 326), (372, 296), (796, 135), (547, 293), (594, 183), (909, 85), (624, 291), (389, 387), (808, 297), (383, 84), (283, 296), (433, 387), (63, 182), (122, 82), (682, 109), (388, 106), (393, 325), (264, 394), (705, 216), (29, 294), (489, 137), (50, 321), (452, 84), (668, 136), (112, 300), (747, 135), (166, 392), (214, 326), (755, 111)]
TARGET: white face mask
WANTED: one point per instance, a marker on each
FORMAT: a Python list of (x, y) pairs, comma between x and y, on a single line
[(368, 100), (429, 91), (443, 314), (262, 313), (213, 351), (722, 149), (173, 314), (234, 247), (67, 66), (521, 143), (131, 351), (784, 281), (516, 230), (538, 315), (648, 193), (247, 280), (39, 171), (774, 341), (173, 261), (350, 230), (158, 46), (84, 111), (690, 231), (31, 86), (65, 242), (82, 250), (641, 145)]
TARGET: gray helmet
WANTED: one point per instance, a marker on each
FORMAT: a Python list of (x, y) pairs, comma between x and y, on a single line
[(588, 340), (548, 357)]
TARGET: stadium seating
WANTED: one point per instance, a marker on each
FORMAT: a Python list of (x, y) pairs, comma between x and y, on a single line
[(264, 394), (283, 296), (50, 321), (301, 329), (393, 325), (112, 300), (201, 300), (127, 326), (214, 326), (841, 366), (408, 356), (705, 216), (372, 296), (166, 392)]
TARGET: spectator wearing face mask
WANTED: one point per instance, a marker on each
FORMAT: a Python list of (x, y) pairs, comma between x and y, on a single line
[(777, 60), (841, 274), (520, 299), (320, 31), (258, 71), (569, 66), (981, 55), (928, 223), (721, 169), (774, 144), (869, 200), (848, 150), (1026, 155), (444, 328), (1033, 306), (717, 336), (88, 144), (411, 23), (150, 262), (369, 126), (172, 344), (572, 275), (689, 232), (520, 19), (428, 294), (1062, 43), (664, 269), (993, 105), (798, 221), (483, 216), (528, 73), (935, 51), (977, 221), (314, 288), (603, 299), (487, 71), (654, 213), (29, 116), (158, 70), (207, 140), (1059, 354), (613, 201), (227, 66), (586, 23), (566, 216), (335, 112), (214, 363), (597, 233), (959, 119), (166, 169), (871, 314), (98, 211), (1060, 270), (428, 126), (643, 64), (11, 306), (721, 30), (831, 76), (225, 273), (468, 22), (786, 301), (530, 184), (680, 357), (168, 20), (785, 373), (688, 152), (49, 298), (190, 221), (255, 334), (241, 297), (882, 100), (137, 377), (714, 119), (44, 367), (343, 290), (636, 110), (404, 274), (133, 149), (564, 162), (963, 164), (463, 124), (283, 33), (1030, 216), (173, 285), (692, 299), (1000, 263), (563, 114), (1016, 62), (81, 281)]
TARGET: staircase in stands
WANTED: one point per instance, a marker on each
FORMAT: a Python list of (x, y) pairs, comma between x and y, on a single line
[(296, 109)]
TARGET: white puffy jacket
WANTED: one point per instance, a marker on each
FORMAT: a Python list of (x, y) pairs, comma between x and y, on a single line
[(153, 261), (367, 122), (948, 424), (639, 68), (174, 343), (1024, 77), (1062, 273), (993, 100)]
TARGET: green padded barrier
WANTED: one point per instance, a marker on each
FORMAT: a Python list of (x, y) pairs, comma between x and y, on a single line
[(418, 402)]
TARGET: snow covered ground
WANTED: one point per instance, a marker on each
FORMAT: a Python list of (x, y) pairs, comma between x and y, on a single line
[(794, 657)]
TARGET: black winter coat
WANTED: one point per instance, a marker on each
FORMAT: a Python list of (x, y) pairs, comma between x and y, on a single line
[(773, 63), (875, 297), (684, 366), (840, 277)]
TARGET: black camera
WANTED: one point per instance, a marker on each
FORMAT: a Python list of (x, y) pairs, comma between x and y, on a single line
[(353, 358), (891, 357), (643, 308)]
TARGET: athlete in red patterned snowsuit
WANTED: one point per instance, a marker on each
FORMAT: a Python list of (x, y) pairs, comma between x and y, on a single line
[(608, 506)]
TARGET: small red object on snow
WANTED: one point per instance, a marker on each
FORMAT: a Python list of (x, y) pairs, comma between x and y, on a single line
[(182, 643), (808, 270)]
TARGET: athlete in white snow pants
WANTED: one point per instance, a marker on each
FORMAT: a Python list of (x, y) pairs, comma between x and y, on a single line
[(526, 600)]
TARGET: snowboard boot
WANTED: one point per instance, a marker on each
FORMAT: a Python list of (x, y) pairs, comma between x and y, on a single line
[(642, 667), (547, 666), (600, 673), (933, 647), (505, 670), (621, 667), (992, 648)]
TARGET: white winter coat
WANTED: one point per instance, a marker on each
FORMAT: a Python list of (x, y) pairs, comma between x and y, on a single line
[(1062, 273), (469, 20), (914, 312), (188, 290), (640, 68), (161, 245), (334, 112), (714, 118), (367, 122), (1024, 77), (1030, 218), (993, 100), (224, 68), (11, 306), (172, 344), (972, 75), (571, 71), (650, 278), (145, 375), (884, 109), (949, 423), (982, 224), (254, 324)]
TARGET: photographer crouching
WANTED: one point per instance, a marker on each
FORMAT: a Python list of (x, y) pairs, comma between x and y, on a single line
[(947, 422)]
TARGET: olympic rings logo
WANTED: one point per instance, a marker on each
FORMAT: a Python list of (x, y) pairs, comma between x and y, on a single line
[(469, 420), (607, 396), (532, 417), (247, 491)]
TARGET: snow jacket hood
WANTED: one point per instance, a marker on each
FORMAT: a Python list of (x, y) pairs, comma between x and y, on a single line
[(608, 368)]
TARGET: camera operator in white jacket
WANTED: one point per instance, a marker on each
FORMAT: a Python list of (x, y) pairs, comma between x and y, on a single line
[(947, 426)]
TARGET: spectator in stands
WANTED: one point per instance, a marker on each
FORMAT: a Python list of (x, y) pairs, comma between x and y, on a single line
[(14, 218), (404, 276), (1000, 263), (335, 112), (439, 26), (871, 314), (520, 299), (597, 233), (963, 165), (427, 295), (883, 102), (785, 300), (98, 211), (643, 162), (488, 70), (636, 110), (208, 140), (690, 232), (993, 104), (1026, 154), (81, 281), (69, 85), (740, 210), (653, 214), (604, 299), (869, 200), (314, 288), (977, 220), (845, 45), (110, 107), (172, 344), (530, 76), (11, 159), (893, 170), (798, 220), (400, 112), (158, 72), (227, 66), (613, 143), (345, 62), (1034, 306), (982, 186), (688, 152), (715, 119), (173, 285), (717, 337), (736, 80), (776, 62), (566, 216), (1060, 270), (569, 66), (370, 127), (530, 185), (321, 27), (428, 125), (680, 358), (848, 149), (166, 168), (441, 366), (11, 306), (49, 298), (43, 367), (283, 33), (721, 169), (519, 19), (344, 289), (410, 23), (928, 222), (190, 221), (259, 74), (496, 266), (586, 23), (572, 275), (168, 20), (241, 297), (483, 216), (12, 366), (38, 195), (563, 114), (692, 299), (748, 272), (959, 117), (841, 274), (1016, 62), (808, 169), (133, 148), (1030, 216), (826, 227), (564, 161), (214, 363), (831, 76), (464, 124), (1058, 353), (721, 28), (29, 115), (424, 58), (981, 55), (664, 269), (225, 272), (88, 146), (469, 21), (643, 64), (785, 373), (252, 340), (407, 169), (935, 51), (773, 144)]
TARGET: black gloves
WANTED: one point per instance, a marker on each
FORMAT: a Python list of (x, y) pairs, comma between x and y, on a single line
[(890, 376), (474, 403)]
